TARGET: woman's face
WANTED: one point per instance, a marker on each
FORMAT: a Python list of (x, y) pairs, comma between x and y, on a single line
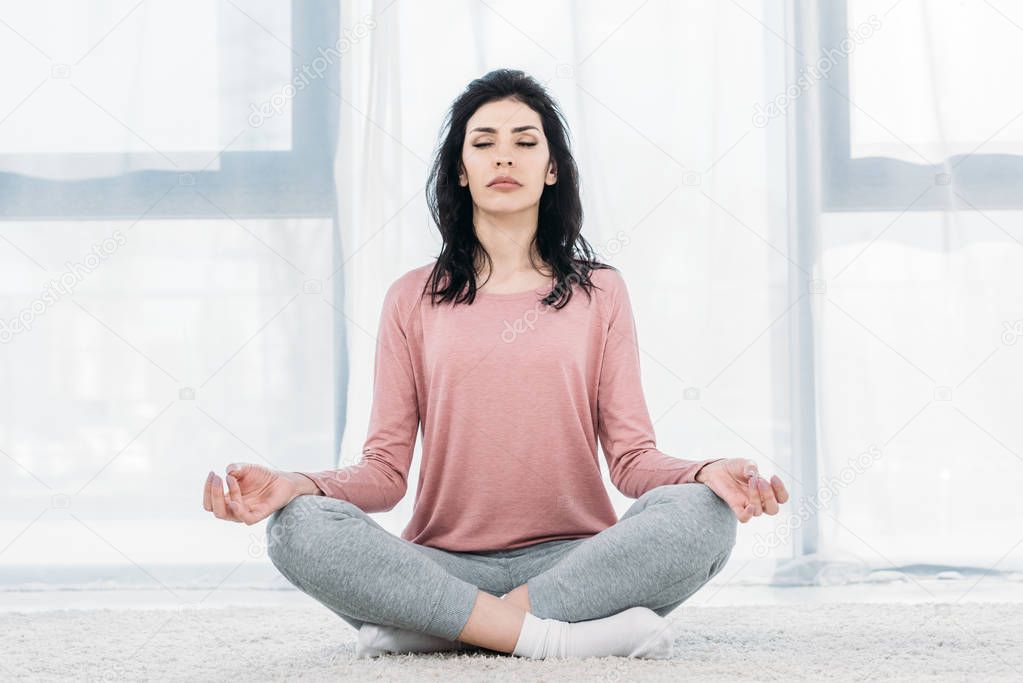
[(505, 138)]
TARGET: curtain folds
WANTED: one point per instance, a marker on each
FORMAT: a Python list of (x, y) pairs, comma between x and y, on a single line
[(825, 265)]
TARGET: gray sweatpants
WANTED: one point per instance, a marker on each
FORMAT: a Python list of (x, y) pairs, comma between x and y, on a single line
[(669, 543)]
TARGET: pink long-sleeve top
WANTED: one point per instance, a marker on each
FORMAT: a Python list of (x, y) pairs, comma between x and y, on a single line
[(512, 397)]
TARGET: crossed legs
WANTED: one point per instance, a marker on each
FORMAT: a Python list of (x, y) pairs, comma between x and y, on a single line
[(670, 542), (666, 546)]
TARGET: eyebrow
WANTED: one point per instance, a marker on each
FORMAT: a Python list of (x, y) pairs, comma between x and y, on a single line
[(519, 129)]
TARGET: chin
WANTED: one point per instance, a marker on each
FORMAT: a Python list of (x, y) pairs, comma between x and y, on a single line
[(509, 203), (499, 208)]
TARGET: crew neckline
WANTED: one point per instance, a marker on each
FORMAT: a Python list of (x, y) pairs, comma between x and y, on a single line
[(527, 294)]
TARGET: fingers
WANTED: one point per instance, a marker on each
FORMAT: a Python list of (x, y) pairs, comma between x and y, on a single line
[(746, 513), (231, 507), (780, 492), (207, 493), (767, 496), (236, 504), (761, 496), (754, 496), (239, 470), (741, 510), (764, 496), (755, 505), (741, 502), (219, 503)]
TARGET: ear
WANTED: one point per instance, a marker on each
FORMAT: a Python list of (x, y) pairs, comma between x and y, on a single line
[(462, 179), (552, 173)]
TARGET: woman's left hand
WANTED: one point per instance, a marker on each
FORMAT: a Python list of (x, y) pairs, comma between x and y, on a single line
[(738, 482)]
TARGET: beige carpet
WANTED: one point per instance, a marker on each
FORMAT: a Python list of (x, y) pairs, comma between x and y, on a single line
[(847, 642)]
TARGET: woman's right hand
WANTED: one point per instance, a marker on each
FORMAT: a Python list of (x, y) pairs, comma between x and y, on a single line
[(254, 492)]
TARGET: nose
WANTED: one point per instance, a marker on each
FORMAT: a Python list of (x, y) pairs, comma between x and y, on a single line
[(503, 155)]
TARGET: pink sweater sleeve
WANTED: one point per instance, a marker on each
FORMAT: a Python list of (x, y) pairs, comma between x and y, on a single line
[(624, 427), (380, 479)]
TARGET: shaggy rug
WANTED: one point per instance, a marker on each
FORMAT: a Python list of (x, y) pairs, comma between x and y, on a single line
[(842, 642)]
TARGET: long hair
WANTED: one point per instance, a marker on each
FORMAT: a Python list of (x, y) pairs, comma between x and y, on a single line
[(557, 240)]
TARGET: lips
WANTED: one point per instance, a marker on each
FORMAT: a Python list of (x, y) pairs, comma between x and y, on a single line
[(503, 180)]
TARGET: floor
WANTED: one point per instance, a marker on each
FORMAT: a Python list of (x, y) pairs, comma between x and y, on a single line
[(905, 631)]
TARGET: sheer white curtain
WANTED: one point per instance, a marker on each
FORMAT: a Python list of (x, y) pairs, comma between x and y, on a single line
[(921, 310), (818, 336), (681, 191), (166, 304), (799, 301)]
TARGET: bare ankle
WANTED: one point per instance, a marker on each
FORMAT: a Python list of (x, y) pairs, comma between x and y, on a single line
[(493, 624), (520, 598)]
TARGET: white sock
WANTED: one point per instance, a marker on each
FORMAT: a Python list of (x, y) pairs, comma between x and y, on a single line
[(635, 632), (376, 639)]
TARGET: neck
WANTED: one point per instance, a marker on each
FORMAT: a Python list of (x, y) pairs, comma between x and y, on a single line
[(508, 239)]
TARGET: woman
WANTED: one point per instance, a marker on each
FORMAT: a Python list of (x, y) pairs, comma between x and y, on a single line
[(515, 351)]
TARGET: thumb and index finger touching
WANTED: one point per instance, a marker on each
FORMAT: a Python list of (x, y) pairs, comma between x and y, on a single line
[(751, 473), (748, 504), (236, 503), (750, 469), (775, 482), (238, 469), (213, 496)]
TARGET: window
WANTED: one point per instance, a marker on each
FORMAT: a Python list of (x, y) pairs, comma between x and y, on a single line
[(948, 119), (234, 125)]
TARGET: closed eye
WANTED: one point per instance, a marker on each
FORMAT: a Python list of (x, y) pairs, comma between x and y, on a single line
[(523, 144)]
